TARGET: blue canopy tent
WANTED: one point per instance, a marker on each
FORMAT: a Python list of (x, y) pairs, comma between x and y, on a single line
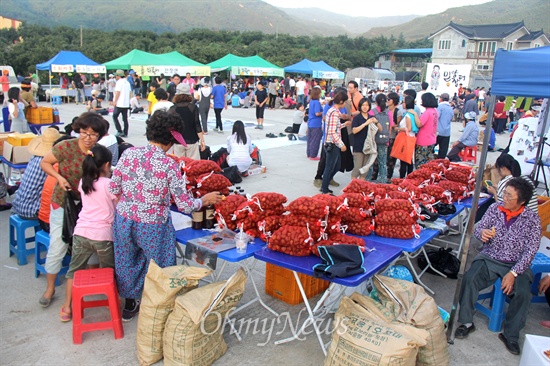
[(317, 69), (522, 73), (70, 61)]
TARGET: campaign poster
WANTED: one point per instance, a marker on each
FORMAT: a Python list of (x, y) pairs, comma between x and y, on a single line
[(447, 78)]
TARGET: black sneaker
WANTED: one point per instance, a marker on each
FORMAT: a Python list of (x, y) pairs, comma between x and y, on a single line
[(511, 346), (463, 331), (131, 309)]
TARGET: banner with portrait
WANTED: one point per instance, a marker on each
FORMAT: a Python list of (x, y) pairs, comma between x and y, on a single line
[(447, 78)]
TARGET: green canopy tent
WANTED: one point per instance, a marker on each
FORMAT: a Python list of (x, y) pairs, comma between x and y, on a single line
[(246, 66), (150, 64)]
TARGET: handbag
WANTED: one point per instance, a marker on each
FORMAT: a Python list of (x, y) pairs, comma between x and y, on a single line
[(72, 208), (442, 260), (339, 261), (403, 147)]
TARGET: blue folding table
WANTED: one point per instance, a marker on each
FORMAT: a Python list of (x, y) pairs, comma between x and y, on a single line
[(375, 261), (411, 248), (230, 255)]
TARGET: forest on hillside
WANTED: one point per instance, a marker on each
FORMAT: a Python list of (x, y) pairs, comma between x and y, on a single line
[(33, 44)]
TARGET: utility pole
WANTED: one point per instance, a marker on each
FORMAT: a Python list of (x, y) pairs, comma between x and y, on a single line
[(80, 36)]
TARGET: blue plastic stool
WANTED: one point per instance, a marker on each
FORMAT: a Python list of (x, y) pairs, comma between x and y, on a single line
[(496, 312), (56, 100), (512, 125), (18, 240), (540, 265), (42, 246)]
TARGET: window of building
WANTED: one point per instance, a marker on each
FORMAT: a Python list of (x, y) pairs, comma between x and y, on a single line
[(537, 45), (509, 46), (487, 48), (483, 67), (463, 43), (444, 44)]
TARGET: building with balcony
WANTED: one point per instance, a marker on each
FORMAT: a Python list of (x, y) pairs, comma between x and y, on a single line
[(408, 61), (477, 44)]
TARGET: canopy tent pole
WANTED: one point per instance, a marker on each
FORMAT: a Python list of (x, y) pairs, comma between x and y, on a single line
[(50, 77), (539, 164), (463, 255)]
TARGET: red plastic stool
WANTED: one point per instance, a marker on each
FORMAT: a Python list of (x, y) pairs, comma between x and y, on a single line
[(469, 154), (100, 281)]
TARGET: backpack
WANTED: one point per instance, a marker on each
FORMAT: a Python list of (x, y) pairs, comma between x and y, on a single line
[(78, 83), (383, 136)]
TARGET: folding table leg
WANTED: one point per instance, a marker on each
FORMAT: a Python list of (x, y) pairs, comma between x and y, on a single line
[(248, 271), (309, 320)]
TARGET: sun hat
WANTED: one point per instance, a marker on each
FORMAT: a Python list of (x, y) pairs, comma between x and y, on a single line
[(470, 115), (111, 76), (120, 73), (42, 145), (183, 89), (95, 92), (536, 107)]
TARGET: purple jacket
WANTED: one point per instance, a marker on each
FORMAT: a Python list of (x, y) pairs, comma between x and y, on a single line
[(516, 244)]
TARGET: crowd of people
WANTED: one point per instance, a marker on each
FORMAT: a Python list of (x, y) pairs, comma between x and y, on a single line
[(126, 192)]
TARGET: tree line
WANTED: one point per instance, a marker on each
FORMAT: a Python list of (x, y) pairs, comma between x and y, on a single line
[(33, 44)]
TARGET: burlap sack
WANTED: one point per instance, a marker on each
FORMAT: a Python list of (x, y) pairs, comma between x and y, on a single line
[(193, 335), (162, 286), (410, 304), (362, 337)]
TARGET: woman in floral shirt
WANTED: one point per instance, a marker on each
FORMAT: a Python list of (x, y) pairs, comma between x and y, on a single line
[(145, 179)]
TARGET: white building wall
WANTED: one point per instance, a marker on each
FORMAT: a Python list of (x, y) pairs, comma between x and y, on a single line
[(456, 50)]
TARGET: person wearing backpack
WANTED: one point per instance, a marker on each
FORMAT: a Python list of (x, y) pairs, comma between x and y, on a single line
[(79, 86), (382, 138)]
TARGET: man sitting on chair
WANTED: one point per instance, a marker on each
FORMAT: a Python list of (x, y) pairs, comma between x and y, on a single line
[(511, 234), (468, 138)]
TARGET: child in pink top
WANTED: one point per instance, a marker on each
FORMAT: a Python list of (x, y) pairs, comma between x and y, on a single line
[(94, 229)]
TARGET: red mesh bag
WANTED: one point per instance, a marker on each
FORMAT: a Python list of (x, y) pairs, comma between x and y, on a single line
[(340, 239), (412, 188), (270, 200), (456, 189), (379, 191), (397, 181), (420, 173), (195, 168), (334, 203), (433, 190), (315, 225), (395, 231), (212, 182), (362, 228), (358, 186), (394, 218), (457, 176), (270, 223), (461, 168), (308, 206), (414, 181), (357, 200), (292, 240), (226, 208), (355, 214), (399, 195), (391, 187), (438, 162), (392, 205)]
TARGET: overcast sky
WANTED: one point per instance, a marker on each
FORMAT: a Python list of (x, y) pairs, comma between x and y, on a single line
[(373, 8)]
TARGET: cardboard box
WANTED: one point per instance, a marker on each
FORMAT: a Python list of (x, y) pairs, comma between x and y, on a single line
[(18, 139), (3, 138), (256, 169), (16, 154)]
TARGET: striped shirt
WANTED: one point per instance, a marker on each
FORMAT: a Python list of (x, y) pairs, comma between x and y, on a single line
[(332, 127), (27, 198)]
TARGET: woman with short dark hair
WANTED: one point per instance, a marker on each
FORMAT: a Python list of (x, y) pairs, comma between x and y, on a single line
[(145, 180), (333, 140), (69, 155), (511, 235)]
